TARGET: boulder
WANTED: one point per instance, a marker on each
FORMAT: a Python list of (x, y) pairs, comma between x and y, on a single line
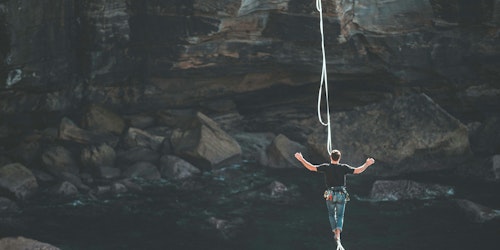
[(478, 213), (140, 121), (136, 154), (386, 190), (130, 185), (139, 138), (408, 134), (18, 180), (161, 131), (204, 144), (94, 157), (254, 146), (142, 170), (75, 180), (176, 168), (69, 131), (100, 119), (281, 152), (42, 176), (118, 188), (225, 114), (175, 118), (66, 189), (11, 243), (108, 172), (58, 160)]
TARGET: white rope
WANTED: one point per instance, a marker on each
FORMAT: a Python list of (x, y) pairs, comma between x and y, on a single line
[(339, 246), (324, 82)]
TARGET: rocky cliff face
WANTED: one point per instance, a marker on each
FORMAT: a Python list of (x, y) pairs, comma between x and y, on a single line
[(57, 55), (136, 56)]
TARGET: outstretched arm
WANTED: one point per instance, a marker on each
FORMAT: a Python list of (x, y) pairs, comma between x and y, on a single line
[(363, 167), (304, 162)]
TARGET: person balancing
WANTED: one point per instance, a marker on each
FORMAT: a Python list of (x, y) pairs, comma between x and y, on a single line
[(335, 194)]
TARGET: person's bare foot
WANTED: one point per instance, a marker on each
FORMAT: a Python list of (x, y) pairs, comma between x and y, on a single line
[(337, 234)]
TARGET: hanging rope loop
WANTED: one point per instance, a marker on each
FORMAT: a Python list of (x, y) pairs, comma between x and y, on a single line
[(324, 82)]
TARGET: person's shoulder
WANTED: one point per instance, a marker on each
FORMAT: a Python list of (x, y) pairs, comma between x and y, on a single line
[(323, 165), (346, 166)]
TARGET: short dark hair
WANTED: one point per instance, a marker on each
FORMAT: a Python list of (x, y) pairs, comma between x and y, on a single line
[(335, 154)]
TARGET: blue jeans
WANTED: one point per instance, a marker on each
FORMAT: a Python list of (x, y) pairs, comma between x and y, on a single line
[(336, 208)]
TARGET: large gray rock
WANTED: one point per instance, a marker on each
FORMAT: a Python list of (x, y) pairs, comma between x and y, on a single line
[(94, 157), (176, 118), (108, 172), (478, 213), (100, 119), (141, 121), (12, 243), (407, 134), (136, 154), (204, 143), (281, 152), (58, 160), (74, 179), (18, 180), (69, 131), (254, 146), (139, 138), (217, 48), (176, 168), (66, 188), (142, 170), (385, 190)]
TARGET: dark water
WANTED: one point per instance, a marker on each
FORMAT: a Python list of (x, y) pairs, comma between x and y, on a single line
[(164, 218)]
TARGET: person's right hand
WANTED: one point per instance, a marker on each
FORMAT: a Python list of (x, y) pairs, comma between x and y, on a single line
[(370, 161)]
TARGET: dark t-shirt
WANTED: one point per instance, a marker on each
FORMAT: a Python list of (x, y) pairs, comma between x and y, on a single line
[(335, 173)]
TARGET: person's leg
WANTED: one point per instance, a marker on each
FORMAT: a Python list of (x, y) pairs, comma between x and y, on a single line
[(339, 199), (340, 208), (331, 214)]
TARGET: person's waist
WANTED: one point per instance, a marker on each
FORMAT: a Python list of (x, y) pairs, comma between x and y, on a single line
[(337, 188)]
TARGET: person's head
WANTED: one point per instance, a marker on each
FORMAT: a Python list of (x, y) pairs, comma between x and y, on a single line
[(335, 155)]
